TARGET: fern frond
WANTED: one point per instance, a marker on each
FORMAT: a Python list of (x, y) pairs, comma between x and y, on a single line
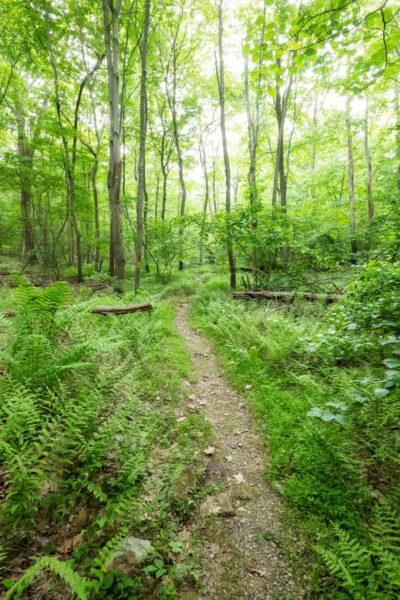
[(79, 586)]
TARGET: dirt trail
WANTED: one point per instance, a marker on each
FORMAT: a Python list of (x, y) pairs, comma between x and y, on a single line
[(241, 554)]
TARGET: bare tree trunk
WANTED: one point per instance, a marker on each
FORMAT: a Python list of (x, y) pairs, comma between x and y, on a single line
[(178, 147), (252, 129), (281, 105), (353, 241), (145, 227), (221, 87), (26, 151), (369, 171), (164, 195), (166, 149), (397, 111), (314, 147), (26, 157), (156, 199), (214, 190), (96, 214), (142, 148), (117, 258), (203, 161)]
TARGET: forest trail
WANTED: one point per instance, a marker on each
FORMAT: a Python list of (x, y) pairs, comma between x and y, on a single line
[(241, 555)]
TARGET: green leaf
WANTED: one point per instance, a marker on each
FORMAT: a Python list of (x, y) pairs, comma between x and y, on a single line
[(260, 20), (327, 416), (271, 92), (381, 392), (107, 581), (391, 339), (392, 363), (342, 419), (160, 573), (314, 412)]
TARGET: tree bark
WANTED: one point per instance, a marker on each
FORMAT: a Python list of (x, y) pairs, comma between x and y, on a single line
[(117, 258), (203, 161), (397, 111), (353, 239), (221, 88), (252, 132), (26, 151), (101, 310), (314, 146), (96, 214), (371, 207), (178, 144), (142, 149)]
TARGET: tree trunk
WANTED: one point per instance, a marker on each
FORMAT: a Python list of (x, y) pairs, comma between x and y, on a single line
[(221, 87), (157, 196), (96, 215), (353, 241), (252, 131), (117, 258), (281, 105), (178, 149), (26, 151), (164, 194), (371, 207), (214, 190), (314, 147), (397, 111), (203, 161), (142, 148)]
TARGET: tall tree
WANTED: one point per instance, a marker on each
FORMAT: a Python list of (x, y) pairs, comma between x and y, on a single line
[(220, 72), (353, 239), (28, 137), (371, 207), (142, 148), (111, 20)]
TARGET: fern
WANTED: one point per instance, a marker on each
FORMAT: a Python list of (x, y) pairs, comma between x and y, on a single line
[(79, 586), (369, 571)]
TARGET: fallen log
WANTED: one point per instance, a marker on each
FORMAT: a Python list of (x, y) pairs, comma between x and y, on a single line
[(253, 295), (101, 310), (121, 310)]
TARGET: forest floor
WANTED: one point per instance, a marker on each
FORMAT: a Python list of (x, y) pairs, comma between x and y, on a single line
[(240, 548)]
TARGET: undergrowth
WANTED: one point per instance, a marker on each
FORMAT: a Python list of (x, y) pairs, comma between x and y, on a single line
[(89, 442)]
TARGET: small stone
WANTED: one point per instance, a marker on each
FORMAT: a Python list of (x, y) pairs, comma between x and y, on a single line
[(217, 505), (130, 552), (183, 485), (243, 491)]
